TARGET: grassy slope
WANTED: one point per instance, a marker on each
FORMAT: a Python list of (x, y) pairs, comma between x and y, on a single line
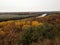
[(10, 30)]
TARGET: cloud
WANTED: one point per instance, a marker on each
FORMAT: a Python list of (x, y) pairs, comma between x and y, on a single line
[(29, 5)]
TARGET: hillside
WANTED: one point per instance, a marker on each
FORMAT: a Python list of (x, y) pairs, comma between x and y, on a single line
[(31, 31)]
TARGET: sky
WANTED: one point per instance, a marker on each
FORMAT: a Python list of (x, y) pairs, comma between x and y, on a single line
[(29, 5)]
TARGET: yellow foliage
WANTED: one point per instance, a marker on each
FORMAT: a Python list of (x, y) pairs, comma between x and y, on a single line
[(23, 22), (41, 23), (6, 23), (17, 22), (35, 23), (3, 23), (28, 22), (9, 22), (25, 26)]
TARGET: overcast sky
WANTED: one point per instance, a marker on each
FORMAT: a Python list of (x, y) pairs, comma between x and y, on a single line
[(29, 5)]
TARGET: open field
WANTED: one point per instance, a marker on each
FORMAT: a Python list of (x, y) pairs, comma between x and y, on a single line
[(31, 31)]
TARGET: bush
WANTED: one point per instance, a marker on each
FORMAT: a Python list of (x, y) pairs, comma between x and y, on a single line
[(25, 38), (32, 33)]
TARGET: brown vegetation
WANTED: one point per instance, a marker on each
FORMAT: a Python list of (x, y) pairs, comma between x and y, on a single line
[(35, 31)]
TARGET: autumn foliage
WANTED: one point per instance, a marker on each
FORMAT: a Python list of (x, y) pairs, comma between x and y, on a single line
[(31, 31)]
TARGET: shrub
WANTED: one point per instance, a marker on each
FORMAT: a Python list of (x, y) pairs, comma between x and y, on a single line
[(25, 38)]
